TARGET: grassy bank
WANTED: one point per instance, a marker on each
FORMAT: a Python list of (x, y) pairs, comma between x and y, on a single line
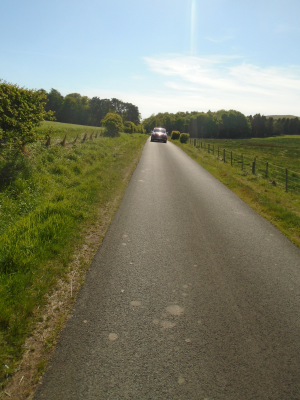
[(47, 197), (272, 202)]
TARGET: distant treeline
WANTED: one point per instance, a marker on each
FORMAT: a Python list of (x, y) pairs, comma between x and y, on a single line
[(77, 109), (262, 126), (223, 124)]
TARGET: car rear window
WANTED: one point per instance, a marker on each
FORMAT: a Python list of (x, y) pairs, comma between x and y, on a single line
[(159, 130)]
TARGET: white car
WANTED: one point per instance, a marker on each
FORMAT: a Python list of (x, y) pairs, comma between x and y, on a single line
[(159, 134)]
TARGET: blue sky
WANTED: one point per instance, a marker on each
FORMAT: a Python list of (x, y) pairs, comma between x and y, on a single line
[(161, 55)]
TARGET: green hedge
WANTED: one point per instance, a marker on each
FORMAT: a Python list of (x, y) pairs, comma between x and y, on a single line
[(130, 127), (184, 137), (21, 111), (113, 125), (175, 135)]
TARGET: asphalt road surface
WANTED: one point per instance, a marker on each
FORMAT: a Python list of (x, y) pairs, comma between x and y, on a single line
[(192, 295)]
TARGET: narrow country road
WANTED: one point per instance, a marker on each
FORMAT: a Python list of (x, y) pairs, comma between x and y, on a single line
[(192, 295)]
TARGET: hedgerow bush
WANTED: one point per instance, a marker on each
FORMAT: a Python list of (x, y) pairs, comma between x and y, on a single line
[(113, 125), (21, 111), (184, 137), (140, 129), (175, 135), (130, 127)]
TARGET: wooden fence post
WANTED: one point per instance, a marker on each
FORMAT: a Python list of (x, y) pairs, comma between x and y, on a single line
[(63, 143), (253, 167)]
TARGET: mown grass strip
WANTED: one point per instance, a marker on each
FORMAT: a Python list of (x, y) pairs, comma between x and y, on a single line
[(47, 197), (280, 208)]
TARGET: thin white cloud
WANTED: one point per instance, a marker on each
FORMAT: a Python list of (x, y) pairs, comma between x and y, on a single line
[(220, 40), (227, 76)]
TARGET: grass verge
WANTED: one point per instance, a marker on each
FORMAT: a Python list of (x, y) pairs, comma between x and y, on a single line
[(49, 197), (280, 208)]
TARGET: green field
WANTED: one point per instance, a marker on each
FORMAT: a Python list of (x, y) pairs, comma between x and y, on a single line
[(59, 129), (48, 196), (283, 151), (272, 157), (266, 195)]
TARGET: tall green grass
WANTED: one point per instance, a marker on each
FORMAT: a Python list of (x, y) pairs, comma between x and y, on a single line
[(46, 196)]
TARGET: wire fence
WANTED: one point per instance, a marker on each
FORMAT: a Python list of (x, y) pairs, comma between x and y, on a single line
[(277, 176), (79, 138)]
